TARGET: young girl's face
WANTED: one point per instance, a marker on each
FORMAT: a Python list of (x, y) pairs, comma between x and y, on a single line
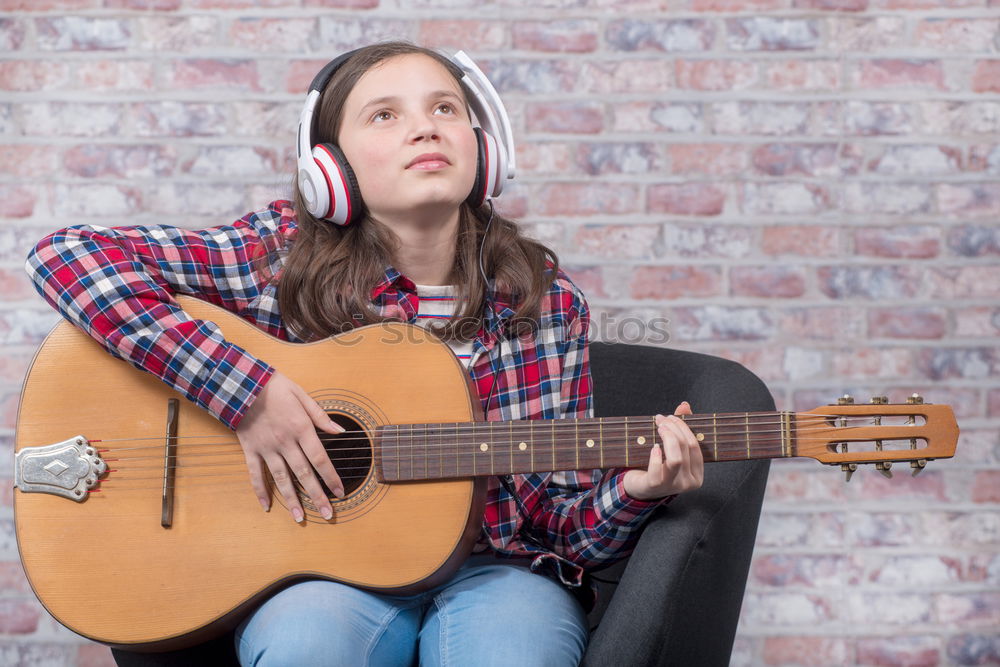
[(407, 135)]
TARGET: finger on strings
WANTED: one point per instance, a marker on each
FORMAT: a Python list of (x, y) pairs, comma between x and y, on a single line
[(283, 481), (255, 465), (303, 470), (320, 461)]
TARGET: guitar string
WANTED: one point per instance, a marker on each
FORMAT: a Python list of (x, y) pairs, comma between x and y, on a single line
[(696, 419), (800, 427)]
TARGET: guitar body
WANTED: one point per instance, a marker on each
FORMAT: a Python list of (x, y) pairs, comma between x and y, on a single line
[(106, 567)]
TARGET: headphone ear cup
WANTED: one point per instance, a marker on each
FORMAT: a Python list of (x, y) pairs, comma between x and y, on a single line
[(346, 205), (487, 183)]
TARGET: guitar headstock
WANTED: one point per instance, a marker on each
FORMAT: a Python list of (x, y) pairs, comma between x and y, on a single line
[(848, 434)]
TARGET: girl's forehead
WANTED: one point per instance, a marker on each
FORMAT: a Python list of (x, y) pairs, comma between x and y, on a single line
[(410, 72)]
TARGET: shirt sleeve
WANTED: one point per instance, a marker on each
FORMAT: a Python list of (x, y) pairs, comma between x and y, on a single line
[(118, 285), (585, 516)]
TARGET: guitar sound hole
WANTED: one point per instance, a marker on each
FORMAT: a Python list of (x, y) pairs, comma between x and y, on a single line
[(350, 452)]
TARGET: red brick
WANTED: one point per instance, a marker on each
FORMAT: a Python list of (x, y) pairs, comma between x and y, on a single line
[(871, 362), (686, 199), (879, 118), (48, 5), (910, 160), (619, 158), (806, 651), (889, 73), (672, 282), (342, 4), (736, 5), (11, 34), (548, 157), (801, 75), (974, 199), (773, 610), (230, 74), (156, 5), (869, 282), (974, 649), (901, 322), (903, 241), (599, 78), (588, 198), (791, 159), (766, 33), (785, 198), (834, 5), (958, 363), (280, 34), (986, 77), (766, 118), (704, 240), (633, 117), (970, 610), (966, 282), (801, 240), (893, 198), (956, 34), (458, 34), (883, 529), (28, 160), (719, 75), (806, 570), (707, 159), (652, 35), (571, 117), (976, 321), (81, 33), (132, 161), (617, 241), (986, 487), (916, 651), (178, 119), (18, 617), (590, 279), (822, 323), (112, 75), (767, 281), (18, 202), (984, 158), (567, 36), (930, 485), (33, 75), (722, 323)]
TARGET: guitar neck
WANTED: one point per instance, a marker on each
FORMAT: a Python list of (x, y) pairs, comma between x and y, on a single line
[(440, 451)]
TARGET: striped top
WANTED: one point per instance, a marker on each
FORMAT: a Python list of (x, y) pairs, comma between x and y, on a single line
[(436, 306)]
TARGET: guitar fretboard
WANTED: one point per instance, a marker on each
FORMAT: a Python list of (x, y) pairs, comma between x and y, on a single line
[(468, 449)]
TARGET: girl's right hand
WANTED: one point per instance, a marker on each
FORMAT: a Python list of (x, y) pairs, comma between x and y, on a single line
[(279, 430)]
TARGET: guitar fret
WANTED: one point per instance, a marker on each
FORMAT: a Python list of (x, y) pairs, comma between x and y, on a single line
[(600, 426), (576, 431), (553, 439), (627, 443), (510, 435), (747, 433), (715, 435)]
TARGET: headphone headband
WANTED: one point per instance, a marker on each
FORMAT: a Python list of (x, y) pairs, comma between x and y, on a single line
[(326, 181)]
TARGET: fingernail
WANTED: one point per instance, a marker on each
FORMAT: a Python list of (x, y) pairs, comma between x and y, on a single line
[(266, 505), (337, 426), (297, 515), (339, 492), (327, 513)]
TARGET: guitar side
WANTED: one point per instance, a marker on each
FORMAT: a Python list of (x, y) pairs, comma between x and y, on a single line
[(106, 567)]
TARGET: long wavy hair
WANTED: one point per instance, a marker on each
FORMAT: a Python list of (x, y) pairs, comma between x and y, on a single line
[(329, 272)]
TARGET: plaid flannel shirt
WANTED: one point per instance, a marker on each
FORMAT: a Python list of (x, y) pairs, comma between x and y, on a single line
[(117, 284)]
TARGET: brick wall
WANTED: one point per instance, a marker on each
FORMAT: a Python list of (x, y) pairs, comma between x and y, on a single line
[(810, 187)]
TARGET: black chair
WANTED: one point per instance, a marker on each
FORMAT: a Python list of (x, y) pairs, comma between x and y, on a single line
[(676, 600)]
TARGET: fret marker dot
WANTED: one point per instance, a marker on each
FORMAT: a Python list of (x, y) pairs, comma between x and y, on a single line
[(641, 440), (483, 447), (700, 436), (590, 443), (522, 446)]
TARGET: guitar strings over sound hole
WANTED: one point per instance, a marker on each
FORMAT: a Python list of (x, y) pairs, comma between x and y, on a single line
[(350, 452)]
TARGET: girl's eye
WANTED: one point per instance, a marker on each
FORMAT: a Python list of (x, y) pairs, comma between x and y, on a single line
[(445, 105), (381, 115)]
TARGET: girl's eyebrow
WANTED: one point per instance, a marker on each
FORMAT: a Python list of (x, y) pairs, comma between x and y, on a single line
[(392, 99)]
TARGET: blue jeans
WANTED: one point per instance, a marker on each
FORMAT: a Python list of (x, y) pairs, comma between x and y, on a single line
[(492, 614)]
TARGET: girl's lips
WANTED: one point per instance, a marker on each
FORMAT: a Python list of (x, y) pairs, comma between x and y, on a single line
[(429, 165), (426, 159)]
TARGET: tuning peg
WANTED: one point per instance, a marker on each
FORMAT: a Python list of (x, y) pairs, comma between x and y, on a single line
[(846, 399), (915, 399), (879, 400), (848, 469), (918, 466), (884, 468)]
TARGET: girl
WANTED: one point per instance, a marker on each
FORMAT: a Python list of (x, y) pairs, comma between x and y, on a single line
[(399, 114)]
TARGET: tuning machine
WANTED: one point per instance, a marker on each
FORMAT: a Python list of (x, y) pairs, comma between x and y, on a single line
[(884, 467), (849, 469), (918, 466)]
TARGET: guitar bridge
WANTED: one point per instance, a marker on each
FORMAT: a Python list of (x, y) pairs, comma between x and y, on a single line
[(68, 469)]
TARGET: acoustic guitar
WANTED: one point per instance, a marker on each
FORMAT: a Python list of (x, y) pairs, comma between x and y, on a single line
[(137, 526)]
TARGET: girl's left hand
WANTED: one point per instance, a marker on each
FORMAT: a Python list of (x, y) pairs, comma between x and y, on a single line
[(675, 465)]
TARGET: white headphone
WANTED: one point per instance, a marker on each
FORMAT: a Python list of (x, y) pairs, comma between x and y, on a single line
[(327, 182)]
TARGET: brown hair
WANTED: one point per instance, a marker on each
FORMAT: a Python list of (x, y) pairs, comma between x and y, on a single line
[(329, 272)]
